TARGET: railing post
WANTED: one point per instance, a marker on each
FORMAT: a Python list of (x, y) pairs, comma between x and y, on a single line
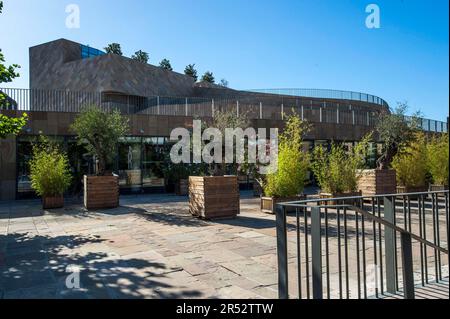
[(212, 107), (237, 108), (283, 292), (389, 238), (407, 263), (157, 107), (316, 253), (282, 111), (260, 111), (186, 107)]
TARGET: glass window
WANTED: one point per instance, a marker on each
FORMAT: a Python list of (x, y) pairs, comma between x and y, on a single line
[(88, 52), (129, 163), (154, 155)]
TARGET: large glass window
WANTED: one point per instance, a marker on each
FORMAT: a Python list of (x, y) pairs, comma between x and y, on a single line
[(155, 150), (129, 162), (88, 52)]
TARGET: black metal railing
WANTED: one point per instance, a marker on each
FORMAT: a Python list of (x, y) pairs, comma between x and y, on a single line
[(363, 246)]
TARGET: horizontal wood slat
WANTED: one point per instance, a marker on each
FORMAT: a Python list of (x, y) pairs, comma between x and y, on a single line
[(101, 192)]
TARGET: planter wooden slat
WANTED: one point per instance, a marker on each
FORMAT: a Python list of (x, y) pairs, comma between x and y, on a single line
[(269, 204), (101, 192), (214, 197), (377, 182), (340, 195), (52, 202)]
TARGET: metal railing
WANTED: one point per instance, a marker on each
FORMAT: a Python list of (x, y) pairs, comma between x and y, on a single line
[(363, 246), (326, 94), (256, 107)]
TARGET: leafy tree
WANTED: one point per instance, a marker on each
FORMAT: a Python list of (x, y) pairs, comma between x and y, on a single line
[(165, 64), (411, 163), (49, 169), (114, 48), (8, 125), (208, 77), (438, 159), (100, 131), (293, 162), (394, 130), (191, 71), (141, 56), (11, 125), (223, 83), (338, 171)]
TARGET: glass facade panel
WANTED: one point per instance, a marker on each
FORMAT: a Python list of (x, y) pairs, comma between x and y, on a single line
[(129, 163), (88, 52)]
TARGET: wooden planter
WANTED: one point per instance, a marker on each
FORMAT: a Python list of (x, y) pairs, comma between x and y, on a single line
[(411, 189), (50, 202), (377, 182), (269, 204), (101, 192), (339, 195), (182, 187), (214, 197), (438, 188)]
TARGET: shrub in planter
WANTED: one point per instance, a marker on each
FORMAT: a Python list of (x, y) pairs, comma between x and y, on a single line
[(99, 131), (394, 131), (287, 182), (49, 172), (438, 161), (338, 171), (411, 166)]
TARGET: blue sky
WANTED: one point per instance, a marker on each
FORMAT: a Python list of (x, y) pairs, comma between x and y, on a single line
[(261, 44)]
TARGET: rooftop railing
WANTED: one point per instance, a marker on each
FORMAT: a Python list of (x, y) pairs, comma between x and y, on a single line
[(326, 94), (255, 107)]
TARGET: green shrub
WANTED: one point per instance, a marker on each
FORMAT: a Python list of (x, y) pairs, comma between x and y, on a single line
[(293, 163), (99, 132), (50, 175), (438, 159), (411, 164), (338, 171)]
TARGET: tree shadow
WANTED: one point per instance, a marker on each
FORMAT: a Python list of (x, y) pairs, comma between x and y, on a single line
[(34, 267)]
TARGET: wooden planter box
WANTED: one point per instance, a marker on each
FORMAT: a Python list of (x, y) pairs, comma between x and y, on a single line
[(269, 204), (339, 195), (182, 187), (377, 182), (215, 197), (101, 192), (437, 188), (411, 189), (52, 202)]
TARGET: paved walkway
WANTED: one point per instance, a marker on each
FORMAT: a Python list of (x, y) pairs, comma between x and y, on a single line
[(150, 247)]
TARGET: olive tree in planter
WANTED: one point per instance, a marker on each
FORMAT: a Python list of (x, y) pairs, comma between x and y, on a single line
[(393, 130), (49, 173), (287, 182), (100, 131), (411, 166), (338, 171), (438, 161), (217, 196)]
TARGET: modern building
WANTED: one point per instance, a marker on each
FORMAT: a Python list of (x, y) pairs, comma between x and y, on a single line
[(66, 76)]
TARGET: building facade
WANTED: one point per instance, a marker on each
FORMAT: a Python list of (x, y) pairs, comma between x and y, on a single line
[(66, 76)]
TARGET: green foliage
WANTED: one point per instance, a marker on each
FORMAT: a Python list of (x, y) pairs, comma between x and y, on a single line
[(12, 125), (339, 170), (165, 64), (100, 131), (141, 56), (49, 169), (438, 159), (191, 71), (208, 77), (114, 48), (394, 130), (223, 83), (411, 163), (293, 163)]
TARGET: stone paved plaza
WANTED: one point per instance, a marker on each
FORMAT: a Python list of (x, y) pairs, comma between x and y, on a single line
[(150, 247)]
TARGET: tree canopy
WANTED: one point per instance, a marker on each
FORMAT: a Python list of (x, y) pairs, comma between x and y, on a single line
[(141, 56), (114, 48), (165, 64), (208, 77), (191, 71)]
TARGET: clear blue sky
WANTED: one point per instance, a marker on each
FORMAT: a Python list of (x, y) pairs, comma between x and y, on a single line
[(261, 44)]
